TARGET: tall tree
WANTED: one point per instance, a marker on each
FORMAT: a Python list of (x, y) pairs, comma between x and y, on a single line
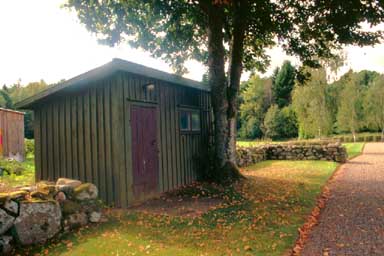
[(374, 105), (350, 115), (255, 102), (7, 101), (283, 83), (16, 93), (233, 31), (311, 107)]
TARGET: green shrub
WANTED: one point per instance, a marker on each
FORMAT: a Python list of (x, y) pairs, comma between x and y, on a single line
[(280, 123), (12, 167), (29, 146)]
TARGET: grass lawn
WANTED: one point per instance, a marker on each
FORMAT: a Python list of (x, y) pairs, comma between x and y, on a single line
[(258, 216), (354, 149), (26, 177), (252, 143)]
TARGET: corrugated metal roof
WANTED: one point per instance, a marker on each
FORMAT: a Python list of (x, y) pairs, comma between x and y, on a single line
[(106, 70)]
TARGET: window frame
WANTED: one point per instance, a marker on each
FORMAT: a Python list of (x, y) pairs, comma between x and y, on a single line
[(189, 113), (198, 113)]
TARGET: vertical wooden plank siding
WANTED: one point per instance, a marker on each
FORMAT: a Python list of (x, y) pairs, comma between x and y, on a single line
[(12, 131), (50, 147), (80, 137), (75, 155), (159, 135), (62, 140), (118, 163), (163, 140), (68, 138), (101, 143), (128, 91), (94, 138), (87, 134), (167, 120), (108, 153), (87, 138), (37, 136), (44, 142), (56, 137)]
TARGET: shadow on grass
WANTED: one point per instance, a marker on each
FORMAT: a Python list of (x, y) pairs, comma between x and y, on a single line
[(258, 216)]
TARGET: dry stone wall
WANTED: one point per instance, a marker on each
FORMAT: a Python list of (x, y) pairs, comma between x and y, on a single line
[(292, 151), (32, 215)]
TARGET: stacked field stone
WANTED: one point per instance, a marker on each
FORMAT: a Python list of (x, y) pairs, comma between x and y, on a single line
[(292, 151), (34, 214)]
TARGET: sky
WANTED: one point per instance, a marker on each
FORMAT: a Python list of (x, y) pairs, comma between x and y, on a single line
[(41, 40)]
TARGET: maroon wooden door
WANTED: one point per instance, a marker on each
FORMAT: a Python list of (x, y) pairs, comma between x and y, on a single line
[(145, 158)]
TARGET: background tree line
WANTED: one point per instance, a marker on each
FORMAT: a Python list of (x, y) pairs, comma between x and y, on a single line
[(284, 106), (11, 94)]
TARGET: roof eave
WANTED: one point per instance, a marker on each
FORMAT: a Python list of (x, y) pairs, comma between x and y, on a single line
[(108, 69)]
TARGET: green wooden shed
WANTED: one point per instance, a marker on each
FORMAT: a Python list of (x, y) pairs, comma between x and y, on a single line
[(132, 130)]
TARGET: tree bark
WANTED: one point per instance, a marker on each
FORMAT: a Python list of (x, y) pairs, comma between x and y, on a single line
[(354, 135), (224, 92), (218, 83), (234, 74)]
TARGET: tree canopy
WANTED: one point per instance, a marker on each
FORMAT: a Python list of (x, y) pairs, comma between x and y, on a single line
[(283, 82), (236, 32), (16, 92), (374, 105), (177, 30)]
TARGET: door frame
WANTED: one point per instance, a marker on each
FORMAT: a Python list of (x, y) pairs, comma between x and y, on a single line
[(130, 104)]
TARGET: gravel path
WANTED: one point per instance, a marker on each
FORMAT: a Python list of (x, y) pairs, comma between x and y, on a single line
[(352, 222)]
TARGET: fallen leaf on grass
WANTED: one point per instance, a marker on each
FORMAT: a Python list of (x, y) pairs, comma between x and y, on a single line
[(247, 248)]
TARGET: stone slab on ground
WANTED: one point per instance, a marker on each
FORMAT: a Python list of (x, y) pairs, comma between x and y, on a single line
[(6, 221), (37, 222)]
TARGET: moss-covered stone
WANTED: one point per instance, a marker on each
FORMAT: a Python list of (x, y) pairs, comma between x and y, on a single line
[(89, 206), (68, 182), (18, 195), (35, 200), (75, 220), (4, 197), (67, 190), (40, 195), (86, 191), (70, 207), (46, 187), (37, 222)]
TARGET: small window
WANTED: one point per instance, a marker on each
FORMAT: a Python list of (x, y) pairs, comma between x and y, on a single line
[(185, 122), (195, 121), (189, 121)]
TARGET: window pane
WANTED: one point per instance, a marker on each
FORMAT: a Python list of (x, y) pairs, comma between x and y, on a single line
[(195, 121), (184, 121)]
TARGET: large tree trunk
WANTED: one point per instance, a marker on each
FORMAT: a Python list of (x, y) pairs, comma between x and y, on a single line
[(224, 92), (218, 83), (234, 74)]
